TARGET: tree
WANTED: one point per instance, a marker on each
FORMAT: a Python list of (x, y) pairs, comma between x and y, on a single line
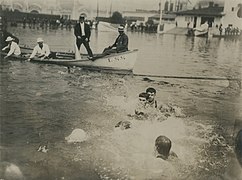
[(117, 18)]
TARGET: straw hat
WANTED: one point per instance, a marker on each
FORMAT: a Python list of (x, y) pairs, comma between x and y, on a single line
[(120, 28), (82, 16), (40, 40), (9, 39)]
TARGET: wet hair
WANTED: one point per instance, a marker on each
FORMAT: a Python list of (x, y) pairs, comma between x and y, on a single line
[(150, 89), (143, 95), (163, 146), (238, 146)]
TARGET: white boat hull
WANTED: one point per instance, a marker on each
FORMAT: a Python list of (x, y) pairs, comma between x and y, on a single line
[(124, 61), (200, 33), (119, 61)]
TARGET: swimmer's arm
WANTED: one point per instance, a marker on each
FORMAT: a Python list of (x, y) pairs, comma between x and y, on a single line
[(173, 154)]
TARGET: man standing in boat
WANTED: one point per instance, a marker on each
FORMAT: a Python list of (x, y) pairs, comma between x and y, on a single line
[(82, 32), (120, 44)]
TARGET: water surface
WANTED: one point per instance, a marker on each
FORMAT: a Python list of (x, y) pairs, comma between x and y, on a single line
[(42, 104)]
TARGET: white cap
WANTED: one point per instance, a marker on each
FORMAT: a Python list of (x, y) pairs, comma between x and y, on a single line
[(9, 39), (82, 16), (40, 40), (120, 28)]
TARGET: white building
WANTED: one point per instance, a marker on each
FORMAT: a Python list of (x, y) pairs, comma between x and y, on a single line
[(67, 8), (232, 13), (229, 14)]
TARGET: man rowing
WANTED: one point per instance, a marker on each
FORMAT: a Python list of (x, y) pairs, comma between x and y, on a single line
[(12, 46), (41, 50)]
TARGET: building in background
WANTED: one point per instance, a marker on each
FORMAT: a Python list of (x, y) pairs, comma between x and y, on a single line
[(232, 14), (69, 9), (227, 14), (195, 17)]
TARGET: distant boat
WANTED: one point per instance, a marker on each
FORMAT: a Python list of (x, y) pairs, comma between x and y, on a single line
[(202, 30), (106, 27)]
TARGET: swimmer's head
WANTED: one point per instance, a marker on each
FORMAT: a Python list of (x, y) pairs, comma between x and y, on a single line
[(151, 93), (143, 97), (163, 146)]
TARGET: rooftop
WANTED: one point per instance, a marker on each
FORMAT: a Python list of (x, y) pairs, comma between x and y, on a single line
[(209, 11)]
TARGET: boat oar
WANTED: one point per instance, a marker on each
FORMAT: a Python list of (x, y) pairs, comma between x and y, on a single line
[(188, 77), (61, 54), (77, 52)]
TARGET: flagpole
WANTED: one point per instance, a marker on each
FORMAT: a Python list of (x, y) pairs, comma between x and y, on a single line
[(97, 8)]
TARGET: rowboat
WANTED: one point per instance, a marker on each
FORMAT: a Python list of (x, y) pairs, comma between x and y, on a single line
[(123, 61), (201, 31)]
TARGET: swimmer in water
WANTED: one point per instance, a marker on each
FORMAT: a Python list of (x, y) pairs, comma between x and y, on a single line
[(140, 109), (162, 147), (151, 97), (152, 103), (141, 105)]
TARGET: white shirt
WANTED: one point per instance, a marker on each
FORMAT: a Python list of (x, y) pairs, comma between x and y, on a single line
[(14, 49), (38, 51), (82, 28)]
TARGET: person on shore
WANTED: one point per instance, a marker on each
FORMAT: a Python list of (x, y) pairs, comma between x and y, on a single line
[(162, 148), (221, 29), (120, 44), (82, 32), (41, 50), (13, 48)]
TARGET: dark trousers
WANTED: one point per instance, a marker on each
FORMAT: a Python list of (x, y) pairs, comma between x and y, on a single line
[(109, 50), (83, 41)]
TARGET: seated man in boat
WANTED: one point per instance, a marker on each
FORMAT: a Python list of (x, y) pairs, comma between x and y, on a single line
[(120, 44), (41, 50), (12, 48), (3, 37)]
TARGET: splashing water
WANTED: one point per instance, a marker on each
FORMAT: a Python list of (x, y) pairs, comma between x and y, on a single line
[(129, 154)]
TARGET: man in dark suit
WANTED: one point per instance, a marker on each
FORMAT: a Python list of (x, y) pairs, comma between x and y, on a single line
[(120, 44), (82, 32)]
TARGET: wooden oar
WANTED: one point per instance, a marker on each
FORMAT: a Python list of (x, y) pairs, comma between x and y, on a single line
[(67, 54), (189, 77)]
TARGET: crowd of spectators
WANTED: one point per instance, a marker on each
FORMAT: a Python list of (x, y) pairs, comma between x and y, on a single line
[(141, 26), (40, 21), (229, 30)]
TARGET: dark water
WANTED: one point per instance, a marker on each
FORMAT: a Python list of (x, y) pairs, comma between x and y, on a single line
[(42, 104)]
